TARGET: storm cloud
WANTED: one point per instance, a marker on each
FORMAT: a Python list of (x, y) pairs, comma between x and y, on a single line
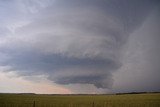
[(70, 41)]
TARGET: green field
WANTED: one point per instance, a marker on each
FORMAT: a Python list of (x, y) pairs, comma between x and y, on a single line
[(124, 100)]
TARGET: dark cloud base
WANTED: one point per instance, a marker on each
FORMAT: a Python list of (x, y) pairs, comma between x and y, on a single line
[(56, 43)]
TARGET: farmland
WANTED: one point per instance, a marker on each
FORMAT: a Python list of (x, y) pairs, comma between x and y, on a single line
[(123, 100)]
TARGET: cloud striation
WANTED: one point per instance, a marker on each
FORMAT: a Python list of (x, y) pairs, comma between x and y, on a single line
[(70, 41)]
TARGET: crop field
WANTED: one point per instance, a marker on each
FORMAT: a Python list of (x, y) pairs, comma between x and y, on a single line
[(124, 100)]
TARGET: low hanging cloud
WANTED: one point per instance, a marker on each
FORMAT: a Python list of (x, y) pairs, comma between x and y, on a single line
[(74, 41)]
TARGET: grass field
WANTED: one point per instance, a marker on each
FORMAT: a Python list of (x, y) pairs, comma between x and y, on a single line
[(124, 100)]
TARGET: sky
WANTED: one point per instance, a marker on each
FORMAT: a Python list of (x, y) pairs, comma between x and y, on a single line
[(79, 46)]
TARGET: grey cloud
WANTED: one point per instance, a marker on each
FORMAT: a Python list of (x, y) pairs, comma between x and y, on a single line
[(140, 70), (4, 31), (98, 80), (76, 41), (32, 63)]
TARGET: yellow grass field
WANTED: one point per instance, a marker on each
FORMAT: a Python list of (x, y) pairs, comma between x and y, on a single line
[(124, 100)]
